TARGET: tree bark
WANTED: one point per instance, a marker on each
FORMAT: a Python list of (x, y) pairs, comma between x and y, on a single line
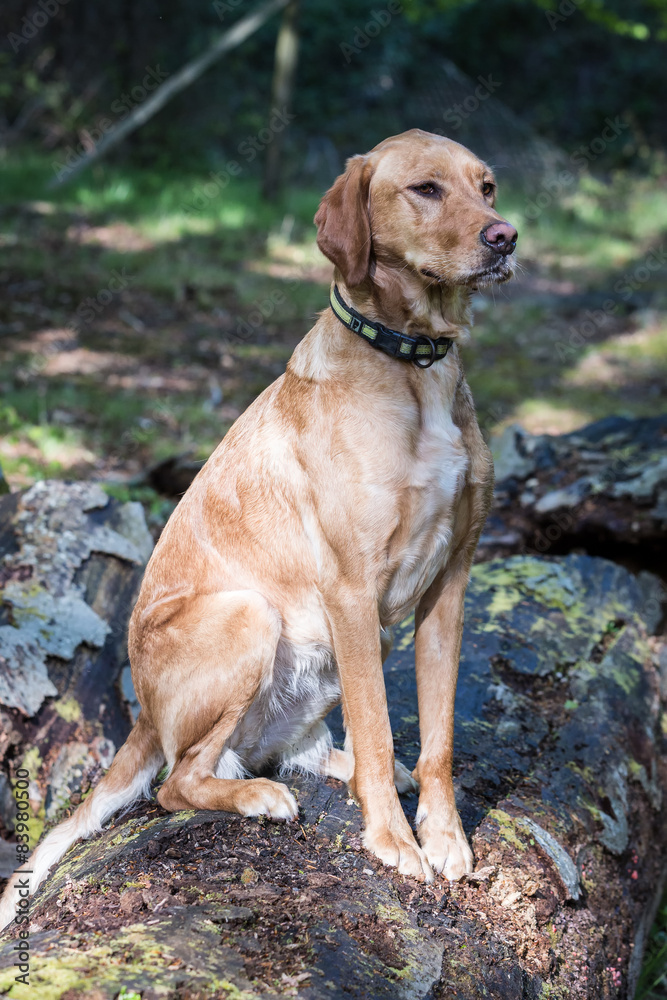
[(559, 771), (71, 561), (287, 51)]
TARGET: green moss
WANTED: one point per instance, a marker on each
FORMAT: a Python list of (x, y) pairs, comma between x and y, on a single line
[(36, 827), (549, 992), (634, 767), (47, 984), (68, 709), (397, 915), (132, 961), (513, 580), (32, 761), (627, 677), (584, 772), (507, 828), (405, 633)]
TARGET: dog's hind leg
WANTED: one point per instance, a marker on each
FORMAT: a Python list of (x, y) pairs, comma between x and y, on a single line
[(220, 650), (340, 764)]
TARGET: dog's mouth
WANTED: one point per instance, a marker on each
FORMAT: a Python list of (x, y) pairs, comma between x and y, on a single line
[(492, 274)]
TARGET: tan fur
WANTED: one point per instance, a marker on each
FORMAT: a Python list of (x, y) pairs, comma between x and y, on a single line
[(353, 490)]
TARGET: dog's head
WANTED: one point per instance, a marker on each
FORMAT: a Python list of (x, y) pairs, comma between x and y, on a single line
[(417, 202)]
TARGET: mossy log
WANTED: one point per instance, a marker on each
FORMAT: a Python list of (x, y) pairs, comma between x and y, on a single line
[(602, 488), (560, 770), (71, 561)]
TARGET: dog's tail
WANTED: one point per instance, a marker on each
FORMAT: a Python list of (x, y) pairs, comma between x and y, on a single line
[(128, 779)]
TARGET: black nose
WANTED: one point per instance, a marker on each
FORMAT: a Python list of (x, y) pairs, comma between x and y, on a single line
[(501, 237)]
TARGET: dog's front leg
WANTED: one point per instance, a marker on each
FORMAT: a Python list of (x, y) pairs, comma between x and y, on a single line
[(355, 629), (439, 627)]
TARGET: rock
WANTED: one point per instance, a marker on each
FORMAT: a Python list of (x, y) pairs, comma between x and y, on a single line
[(510, 458), (559, 770)]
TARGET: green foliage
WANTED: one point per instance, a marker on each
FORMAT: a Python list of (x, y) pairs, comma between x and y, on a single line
[(606, 13), (359, 78), (653, 981)]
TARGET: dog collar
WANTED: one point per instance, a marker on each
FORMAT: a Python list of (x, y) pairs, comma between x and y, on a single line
[(421, 350)]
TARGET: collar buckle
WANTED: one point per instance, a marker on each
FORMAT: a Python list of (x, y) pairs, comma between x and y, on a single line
[(356, 324), (427, 362)]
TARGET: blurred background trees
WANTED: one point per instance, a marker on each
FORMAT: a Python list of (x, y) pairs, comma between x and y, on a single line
[(561, 67)]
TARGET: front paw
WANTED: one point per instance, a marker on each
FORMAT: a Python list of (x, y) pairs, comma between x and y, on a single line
[(445, 845), (395, 845)]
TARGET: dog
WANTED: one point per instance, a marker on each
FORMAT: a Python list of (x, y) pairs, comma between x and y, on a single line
[(350, 493)]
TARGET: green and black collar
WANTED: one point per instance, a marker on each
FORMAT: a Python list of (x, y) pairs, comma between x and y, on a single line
[(422, 351)]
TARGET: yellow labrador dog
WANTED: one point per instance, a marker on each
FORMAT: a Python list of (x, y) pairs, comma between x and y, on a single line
[(351, 492)]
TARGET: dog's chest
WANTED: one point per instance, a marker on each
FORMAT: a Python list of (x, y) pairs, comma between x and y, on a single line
[(428, 503)]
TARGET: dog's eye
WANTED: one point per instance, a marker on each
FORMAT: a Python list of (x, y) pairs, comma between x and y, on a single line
[(427, 189), (488, 188)]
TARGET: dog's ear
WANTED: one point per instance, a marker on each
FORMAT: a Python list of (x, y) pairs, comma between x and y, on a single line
[(343, 224)]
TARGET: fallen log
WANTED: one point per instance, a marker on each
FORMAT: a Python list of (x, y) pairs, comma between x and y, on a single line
[(560, 772), (602, 488), (71, 561)]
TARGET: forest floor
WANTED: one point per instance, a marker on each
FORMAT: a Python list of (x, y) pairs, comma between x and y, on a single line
[(141, 314)]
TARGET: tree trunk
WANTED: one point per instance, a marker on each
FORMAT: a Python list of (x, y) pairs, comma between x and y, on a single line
[(71, 561), (559, 766), (284, 72)]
